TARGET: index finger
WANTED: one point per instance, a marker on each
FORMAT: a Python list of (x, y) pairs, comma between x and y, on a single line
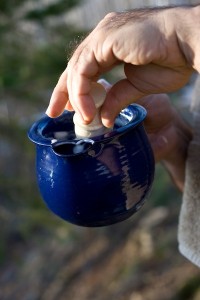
[(59, 97)]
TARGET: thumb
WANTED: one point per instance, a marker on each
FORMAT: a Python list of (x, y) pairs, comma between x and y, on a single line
[(118, 97)]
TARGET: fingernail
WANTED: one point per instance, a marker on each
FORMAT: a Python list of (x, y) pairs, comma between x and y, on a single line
[(105, 84), (48, 111)]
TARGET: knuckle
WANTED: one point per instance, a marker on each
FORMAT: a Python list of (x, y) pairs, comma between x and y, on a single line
[(108, 19), (111, 15)]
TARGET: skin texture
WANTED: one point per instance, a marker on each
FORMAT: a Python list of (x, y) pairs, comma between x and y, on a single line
[(153, 45), (159, 51)]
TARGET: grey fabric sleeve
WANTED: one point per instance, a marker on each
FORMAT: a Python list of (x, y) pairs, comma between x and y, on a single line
[(189, 218)]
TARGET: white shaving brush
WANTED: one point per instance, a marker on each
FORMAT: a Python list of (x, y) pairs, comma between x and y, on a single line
[(96, 127)]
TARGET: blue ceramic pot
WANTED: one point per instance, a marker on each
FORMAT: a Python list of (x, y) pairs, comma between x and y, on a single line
[(98, 181)]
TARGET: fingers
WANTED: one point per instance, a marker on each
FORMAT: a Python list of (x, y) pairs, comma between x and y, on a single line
[(77, 89), (140, 81), (69, 106), (82, 70), (92, 57)]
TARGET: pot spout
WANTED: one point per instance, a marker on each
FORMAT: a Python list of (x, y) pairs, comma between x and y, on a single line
[(72, 148)]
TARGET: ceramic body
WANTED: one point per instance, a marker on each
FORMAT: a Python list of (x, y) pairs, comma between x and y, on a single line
[(94, 182)]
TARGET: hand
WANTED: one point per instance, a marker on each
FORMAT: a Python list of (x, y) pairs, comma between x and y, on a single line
[(149, 45), (168, 134)]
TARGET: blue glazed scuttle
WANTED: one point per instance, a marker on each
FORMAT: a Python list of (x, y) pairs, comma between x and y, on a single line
[(98, 181)]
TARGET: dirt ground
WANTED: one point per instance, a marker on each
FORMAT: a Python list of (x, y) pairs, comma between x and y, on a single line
[(133, 260)]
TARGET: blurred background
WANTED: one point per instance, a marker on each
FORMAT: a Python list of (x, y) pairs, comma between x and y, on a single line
[(41, 256)]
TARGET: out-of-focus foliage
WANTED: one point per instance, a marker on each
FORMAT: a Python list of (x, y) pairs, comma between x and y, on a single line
[(30, 66), (30, 63), (56, 8), (8, 7)]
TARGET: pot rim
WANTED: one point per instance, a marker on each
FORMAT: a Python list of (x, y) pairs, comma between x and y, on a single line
[(134, 113)]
